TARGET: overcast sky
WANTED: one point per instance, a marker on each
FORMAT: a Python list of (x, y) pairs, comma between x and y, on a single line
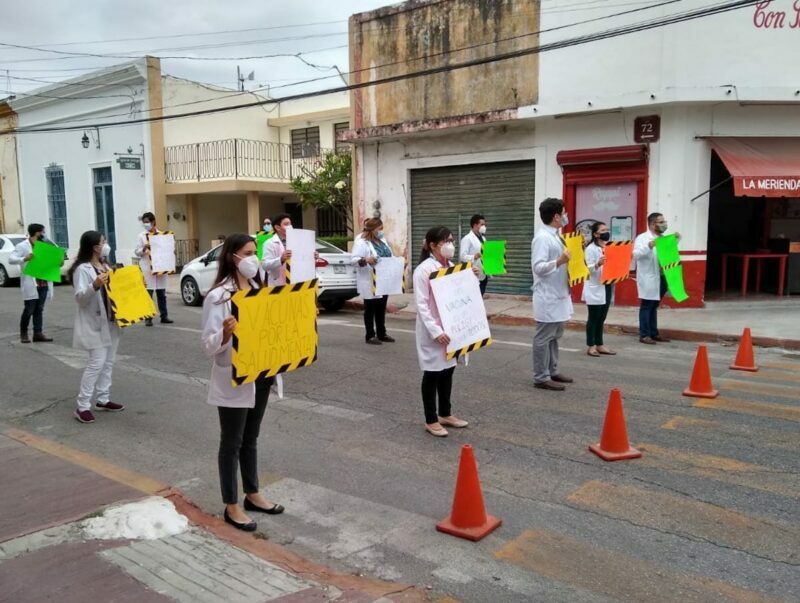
[(80, 24)]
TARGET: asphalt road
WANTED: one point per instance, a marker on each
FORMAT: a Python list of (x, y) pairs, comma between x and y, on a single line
[(709, 513)]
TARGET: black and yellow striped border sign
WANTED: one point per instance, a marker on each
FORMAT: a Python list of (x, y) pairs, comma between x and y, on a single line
[(476, 345), (277, 331), (375, 277), (161, 232), (577, 265), (614, 281), (128, 297)]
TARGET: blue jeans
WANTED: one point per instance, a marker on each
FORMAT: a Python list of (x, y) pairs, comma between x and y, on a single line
[(161, 296), (648, 317), (34, 308)]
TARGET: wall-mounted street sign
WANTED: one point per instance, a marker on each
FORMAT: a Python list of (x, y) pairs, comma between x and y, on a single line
[(647, 128), (129, 163)]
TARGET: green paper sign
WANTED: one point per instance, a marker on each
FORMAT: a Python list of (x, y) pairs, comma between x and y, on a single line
[(667, 250), (46, 262), (261, 238), (675, 284), (493, 257)]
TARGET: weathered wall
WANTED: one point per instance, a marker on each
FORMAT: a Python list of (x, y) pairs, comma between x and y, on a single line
[(10, 205), (390, 41)]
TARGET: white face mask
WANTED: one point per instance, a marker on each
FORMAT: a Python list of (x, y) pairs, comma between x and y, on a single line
[(248, 267), (106, 251), (448, 250), (482, 229), (146, 225)]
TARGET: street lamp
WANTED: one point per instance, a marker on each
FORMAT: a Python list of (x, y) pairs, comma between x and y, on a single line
[(85, 141)]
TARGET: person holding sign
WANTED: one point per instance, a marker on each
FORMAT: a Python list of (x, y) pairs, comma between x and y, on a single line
[(154, 282), (597, 295), (275, 253), (437, 371), (471, 246), (35, 292), (368, 249), (552, 305), (241, 409), (95, 329), (650, 283)]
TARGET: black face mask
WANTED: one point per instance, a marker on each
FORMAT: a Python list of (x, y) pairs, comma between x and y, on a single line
[(606, 236)]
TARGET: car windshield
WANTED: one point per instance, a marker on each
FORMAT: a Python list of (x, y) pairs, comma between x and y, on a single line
[(16, 240), (325, 247)]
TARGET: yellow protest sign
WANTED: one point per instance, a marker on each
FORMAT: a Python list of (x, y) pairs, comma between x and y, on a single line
[(128, 296), (276, 332), (578, 272)]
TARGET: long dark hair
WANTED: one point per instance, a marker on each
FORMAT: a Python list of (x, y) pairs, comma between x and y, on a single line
[(593, 231), (89, 240), (227, 267), (435, 235)]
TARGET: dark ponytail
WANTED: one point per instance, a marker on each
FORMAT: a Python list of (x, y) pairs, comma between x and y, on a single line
[(435, 235), (89, 240)]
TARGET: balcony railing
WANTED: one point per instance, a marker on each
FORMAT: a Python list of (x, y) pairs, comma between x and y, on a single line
[(234, 158)]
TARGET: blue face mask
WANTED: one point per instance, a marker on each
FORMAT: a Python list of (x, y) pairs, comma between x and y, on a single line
[(564, 220), (267, 227), (381, 235)]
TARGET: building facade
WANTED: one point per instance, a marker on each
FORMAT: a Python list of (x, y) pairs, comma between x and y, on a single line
[(619, 127), (10, 206)]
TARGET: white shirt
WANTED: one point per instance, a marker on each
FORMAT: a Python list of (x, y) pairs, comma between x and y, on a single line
[(363, 249), (551, 299), (648, 271), (152, 281), (594, 292), (271, 261), (469, 246), (27, 283), (431, 354), (92, 329)]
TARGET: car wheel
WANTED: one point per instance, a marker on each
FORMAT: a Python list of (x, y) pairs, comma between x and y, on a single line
[(4, 280), (190, 293), (333, 305)]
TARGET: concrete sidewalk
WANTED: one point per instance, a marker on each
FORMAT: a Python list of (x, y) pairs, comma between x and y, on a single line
[(773, 321), (49, 491)]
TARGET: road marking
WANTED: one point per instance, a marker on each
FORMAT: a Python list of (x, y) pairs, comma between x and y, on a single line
[(187, 329), (771, 375), (791, 366), (691, 519), (760, 409), (758, 388), (608, 573), (771, 438), (322, 409)]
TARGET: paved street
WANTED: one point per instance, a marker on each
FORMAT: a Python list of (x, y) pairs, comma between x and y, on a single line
[(710, 513)]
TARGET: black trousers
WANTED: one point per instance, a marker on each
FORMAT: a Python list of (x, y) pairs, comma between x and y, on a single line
[(437, 383), (238, 445), (375, 316), (484, 282), (161, 297), (597, 319), (34, 308)]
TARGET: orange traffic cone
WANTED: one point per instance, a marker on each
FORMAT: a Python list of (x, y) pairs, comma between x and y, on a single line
[(614, 444), (744, 355), (700, 384), (468, 518)]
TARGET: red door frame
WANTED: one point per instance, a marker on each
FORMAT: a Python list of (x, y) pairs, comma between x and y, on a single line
[(607, 165)]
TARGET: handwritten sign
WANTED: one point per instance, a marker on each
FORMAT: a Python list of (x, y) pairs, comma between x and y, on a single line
[(277, 331), (45, 263), (389, 276), (162, 253), (128, 296), (302, 244)]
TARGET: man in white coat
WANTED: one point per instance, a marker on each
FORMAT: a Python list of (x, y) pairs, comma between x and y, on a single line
[(153, 282), (275, 253), (471, 248), (34, 291), (552, 305), (650, 283)]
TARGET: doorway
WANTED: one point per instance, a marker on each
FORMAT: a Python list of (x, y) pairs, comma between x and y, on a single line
[(104, 208)]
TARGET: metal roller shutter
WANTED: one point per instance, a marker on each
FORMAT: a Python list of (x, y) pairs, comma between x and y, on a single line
[(503, 192)]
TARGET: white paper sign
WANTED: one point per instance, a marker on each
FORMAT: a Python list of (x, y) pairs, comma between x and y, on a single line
[(162, 253), (389, 273), (302, 244), (458, 299)]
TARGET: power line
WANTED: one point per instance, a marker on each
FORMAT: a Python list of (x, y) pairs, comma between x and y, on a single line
[(608, 34)]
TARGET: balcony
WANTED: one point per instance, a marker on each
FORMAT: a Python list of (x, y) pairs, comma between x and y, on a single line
[(237, 159)]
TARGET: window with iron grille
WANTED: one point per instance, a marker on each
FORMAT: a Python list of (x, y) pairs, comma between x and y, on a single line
[(341, 147), (331, 223), (57, 203), (305, 142)]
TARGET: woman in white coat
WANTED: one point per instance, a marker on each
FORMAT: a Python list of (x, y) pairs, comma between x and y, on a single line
[(368, 249), (597, 295), (437, 371), (241, 408), (95, 329)]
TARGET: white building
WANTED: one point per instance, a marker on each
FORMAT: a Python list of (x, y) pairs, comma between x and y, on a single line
[(498, 138), (10, 207)]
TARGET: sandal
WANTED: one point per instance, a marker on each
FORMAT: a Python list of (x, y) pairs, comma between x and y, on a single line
[(439, 432), (593, 353), (606, 352)]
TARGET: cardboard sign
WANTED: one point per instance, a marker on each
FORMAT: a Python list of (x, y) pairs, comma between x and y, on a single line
[(618, 256), (261, 238), (277, 331), (677, 289), (493, 257), (128, 296), (302, 266), (46, 262), (667, 250), (162, 253), (457, 293), (578, 272), (388, 276)]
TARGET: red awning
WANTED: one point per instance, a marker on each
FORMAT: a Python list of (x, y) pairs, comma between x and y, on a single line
[(761, 167)]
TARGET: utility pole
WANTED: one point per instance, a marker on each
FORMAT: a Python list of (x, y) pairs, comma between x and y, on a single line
[(239, 79)]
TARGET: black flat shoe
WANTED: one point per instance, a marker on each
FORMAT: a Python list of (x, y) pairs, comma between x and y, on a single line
[(275, 509), (167, 321), (373, 341), (387, 339), (250, 526)]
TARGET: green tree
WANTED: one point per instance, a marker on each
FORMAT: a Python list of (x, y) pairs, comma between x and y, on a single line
[(328, 184)]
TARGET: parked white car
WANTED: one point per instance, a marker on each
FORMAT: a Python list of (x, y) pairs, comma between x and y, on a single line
[(336, 273), (8, 271)]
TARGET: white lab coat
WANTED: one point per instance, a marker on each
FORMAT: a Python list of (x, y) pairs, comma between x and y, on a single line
[(152, 281), (551, 298), (648, 271), (27, 283), (271, 261), (594, 292), (431, 354), (92, 328), (216, 308), (469, 246), (364, 249)]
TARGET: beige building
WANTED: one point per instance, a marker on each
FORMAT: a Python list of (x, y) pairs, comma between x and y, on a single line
[(10, 207)]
